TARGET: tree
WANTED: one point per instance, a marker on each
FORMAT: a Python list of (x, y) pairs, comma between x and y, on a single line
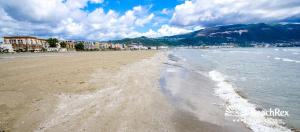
[(63, 44), (79, 46), (52, 42)]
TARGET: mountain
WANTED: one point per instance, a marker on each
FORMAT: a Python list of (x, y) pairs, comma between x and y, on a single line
[(240, 34)]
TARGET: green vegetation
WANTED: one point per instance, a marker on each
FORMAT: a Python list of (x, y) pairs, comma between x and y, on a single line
[(79, 46), (143, 40), (52, 42), (63, 44)]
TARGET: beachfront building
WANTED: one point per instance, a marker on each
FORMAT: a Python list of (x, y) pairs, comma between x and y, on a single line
[(135, 46), (88, 45), (7, 48), (70, 45), (103, 45), (97, 45), (163, 47), (153, 47), (26, 43), (117, 46)]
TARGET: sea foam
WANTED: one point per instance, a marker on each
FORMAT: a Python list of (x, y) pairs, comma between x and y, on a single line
[(240, 108), (287, 60)]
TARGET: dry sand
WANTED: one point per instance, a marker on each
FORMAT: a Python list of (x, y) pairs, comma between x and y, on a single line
[(86, 91)]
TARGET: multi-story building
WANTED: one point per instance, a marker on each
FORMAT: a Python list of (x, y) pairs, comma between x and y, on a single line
[(88, 45), (103, 45), (70, 45), (26, 43)]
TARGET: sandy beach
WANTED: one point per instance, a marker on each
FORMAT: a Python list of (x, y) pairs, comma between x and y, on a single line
[(109, 91)]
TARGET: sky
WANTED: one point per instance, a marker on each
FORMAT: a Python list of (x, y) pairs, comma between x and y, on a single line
[(101, 20)]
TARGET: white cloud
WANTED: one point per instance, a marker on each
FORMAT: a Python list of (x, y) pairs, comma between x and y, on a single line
[(212, 12), (143, 21), (71, 27), (75, 4), (97, 1), (165, 11), (66, 19), (165, 30), (35, 10)]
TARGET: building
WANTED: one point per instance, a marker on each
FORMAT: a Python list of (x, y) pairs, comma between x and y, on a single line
[(117, 46), (6, 48), (70, 45), (104, 46), (163, 47), (153, 47), (89, 45), (97, 45), (137, 47), (26, 43)]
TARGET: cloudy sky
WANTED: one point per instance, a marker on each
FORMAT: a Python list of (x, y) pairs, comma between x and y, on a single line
[(115, 19)]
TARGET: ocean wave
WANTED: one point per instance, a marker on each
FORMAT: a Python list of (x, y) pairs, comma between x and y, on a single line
[(240, 108), (292, 50), (277, 58), (296, 53), (171, 70), (239, 51), (287, 60)]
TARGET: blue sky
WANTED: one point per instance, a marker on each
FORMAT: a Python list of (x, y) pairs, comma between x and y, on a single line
[(124, 5), (100, 20)]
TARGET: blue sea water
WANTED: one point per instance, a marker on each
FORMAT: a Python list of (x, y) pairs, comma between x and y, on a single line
[(250, 81)]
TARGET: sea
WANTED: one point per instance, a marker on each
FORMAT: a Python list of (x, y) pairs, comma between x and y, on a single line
[(255, 87)]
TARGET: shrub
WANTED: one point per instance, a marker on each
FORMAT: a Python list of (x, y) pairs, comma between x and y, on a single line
[(79, 47), (63, 44)]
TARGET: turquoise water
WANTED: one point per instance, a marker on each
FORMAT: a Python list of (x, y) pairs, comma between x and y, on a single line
[(264, 77)]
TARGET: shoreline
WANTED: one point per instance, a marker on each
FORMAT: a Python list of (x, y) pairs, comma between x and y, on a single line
[(241, 109), (192, 95), (188, 73), (119, 96)]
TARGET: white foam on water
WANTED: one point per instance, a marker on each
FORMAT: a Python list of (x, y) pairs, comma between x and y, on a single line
[(277, 58), (182, 58), (172, 62), (171, 70), (287, 60), (296, 53), (291, 50), (285, 50), (240, 108), (240, 51), (290, 60)]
